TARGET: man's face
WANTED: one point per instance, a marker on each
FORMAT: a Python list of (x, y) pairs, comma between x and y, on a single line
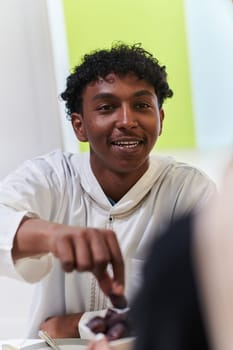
[(121, 121)]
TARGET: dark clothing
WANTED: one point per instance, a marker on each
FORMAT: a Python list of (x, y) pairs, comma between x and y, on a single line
[(166, 311)]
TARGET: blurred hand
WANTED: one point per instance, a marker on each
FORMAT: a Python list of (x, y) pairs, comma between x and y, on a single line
[(99, 343)]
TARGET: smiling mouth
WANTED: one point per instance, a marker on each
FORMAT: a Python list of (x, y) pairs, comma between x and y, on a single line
[(127, 144)]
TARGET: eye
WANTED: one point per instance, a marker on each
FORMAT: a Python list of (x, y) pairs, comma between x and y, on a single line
[(106, 107), (142, 105)]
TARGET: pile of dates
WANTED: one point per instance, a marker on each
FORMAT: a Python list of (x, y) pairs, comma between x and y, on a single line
[(114, 324)]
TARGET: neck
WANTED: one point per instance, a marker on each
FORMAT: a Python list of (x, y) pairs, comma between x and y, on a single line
[(116, 185)]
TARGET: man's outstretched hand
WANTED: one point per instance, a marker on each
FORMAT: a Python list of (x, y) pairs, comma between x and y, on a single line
[(77, 248)]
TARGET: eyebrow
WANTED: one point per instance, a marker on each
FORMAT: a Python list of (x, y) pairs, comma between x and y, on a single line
[(103, 95), (107, 95), (143, 92)]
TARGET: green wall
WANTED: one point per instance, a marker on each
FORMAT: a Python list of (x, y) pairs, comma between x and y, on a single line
[(160, 26)]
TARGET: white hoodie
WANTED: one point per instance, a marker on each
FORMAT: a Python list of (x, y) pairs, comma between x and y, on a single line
[(61, 187)]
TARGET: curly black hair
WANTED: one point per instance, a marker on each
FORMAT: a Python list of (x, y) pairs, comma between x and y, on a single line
[(120, 59)]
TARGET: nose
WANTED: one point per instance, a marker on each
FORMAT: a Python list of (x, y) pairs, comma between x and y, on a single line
[(126, 118)]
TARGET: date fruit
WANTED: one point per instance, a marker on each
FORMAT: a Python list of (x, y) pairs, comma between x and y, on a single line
[(97, 325), (118, 301), (114, 325)]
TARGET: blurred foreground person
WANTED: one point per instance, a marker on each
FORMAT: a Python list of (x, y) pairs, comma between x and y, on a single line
[(214, 259), (186, 300)]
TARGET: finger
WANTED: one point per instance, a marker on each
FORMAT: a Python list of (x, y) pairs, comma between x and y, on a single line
[(104, 280), (84, 259), (65, 253), (101, 258), (111, 285), (117, 263), (99, 251)]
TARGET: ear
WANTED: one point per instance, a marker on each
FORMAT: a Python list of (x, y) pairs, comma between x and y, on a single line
[(161, 113), (78, 126)]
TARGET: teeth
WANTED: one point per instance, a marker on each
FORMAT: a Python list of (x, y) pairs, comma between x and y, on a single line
[(126, 143)]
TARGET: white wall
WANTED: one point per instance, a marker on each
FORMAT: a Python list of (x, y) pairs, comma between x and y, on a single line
[(210, 39), (30, 114)]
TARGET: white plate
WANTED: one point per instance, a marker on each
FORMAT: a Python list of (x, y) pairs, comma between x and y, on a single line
[(64, 344), (80, 344)]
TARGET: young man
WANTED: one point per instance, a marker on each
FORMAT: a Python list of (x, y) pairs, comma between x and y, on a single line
[(79, 213)]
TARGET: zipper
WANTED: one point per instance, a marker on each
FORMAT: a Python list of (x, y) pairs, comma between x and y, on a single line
[(98, 299), (110, 222)]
